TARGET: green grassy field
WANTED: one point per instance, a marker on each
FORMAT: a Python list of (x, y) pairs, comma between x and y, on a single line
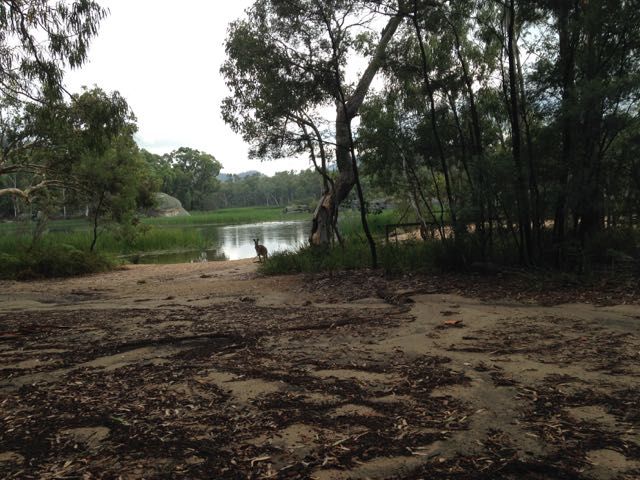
[(229, 216)]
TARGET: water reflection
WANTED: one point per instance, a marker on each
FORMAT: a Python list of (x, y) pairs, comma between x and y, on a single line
[(235, 242)]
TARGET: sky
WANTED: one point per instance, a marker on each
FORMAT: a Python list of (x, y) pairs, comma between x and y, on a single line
[(164, 58)]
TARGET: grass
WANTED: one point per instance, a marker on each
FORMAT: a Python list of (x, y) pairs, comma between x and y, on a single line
[(158, 233), (350, 223), (609, 249), (109, 241), (393, 258), (229, 216), (64, 249), (406, 256), (47, 261)]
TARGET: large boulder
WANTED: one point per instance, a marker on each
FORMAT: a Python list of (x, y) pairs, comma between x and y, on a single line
[(167, 206)]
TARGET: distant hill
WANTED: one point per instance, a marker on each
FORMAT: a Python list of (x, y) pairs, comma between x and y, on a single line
[(225, 177)]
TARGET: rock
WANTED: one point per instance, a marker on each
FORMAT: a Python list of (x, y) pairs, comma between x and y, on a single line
[(167, 206)]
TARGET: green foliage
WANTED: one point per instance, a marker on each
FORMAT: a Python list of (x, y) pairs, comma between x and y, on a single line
[(48, 261), (350, 223), (229, 216), (394, 258), (187, 174), (613, 244), (282, 189), (39, 39), (312, 259), (278, 70), (152, 235), (113, 177), (112, 241), (540, 143)]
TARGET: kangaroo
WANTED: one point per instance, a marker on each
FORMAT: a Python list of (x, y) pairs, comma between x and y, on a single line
[(261, 250)]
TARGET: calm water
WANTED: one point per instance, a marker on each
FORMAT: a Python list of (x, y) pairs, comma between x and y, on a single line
[(234, 242)]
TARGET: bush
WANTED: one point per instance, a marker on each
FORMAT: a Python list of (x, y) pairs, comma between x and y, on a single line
[(317, 259), (607, 243), (393, 258), (52, 261)]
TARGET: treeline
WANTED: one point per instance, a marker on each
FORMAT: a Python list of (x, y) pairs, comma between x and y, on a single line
[(281, 190), (193, 177), (506, 126), (187, 174), (523, 121)]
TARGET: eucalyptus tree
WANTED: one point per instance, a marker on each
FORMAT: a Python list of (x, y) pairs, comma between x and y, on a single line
[(430, 89), (287, 60), (192, 177), (39, 40), (391, 152), (110, 175), (588, 84)]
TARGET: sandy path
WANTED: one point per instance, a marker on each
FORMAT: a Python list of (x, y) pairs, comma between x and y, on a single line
[(212, 371)]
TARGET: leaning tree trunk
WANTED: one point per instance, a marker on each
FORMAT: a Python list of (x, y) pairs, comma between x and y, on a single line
[(322, 228), (346, 110)]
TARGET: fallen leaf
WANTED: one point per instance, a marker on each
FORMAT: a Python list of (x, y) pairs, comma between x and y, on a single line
[(453, 322)]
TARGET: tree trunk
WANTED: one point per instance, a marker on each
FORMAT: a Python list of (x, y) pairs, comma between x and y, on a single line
[(591, 199), (567, 67), (96, 216), (434, 126), (524, 216), (413, 196), (327, 209), (534, 192), (14, 198)]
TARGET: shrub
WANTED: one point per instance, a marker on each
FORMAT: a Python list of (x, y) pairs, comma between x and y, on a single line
[(393, 258), (52, 261)]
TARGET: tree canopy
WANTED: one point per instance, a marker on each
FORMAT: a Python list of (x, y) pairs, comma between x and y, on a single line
[(286, 60), (187, 174), (511, 123), (39, 39)]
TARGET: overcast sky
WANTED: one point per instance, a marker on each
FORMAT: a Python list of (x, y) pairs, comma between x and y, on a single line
[(164, 58)]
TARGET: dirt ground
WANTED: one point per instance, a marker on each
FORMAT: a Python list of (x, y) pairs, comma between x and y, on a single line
[(211, 371)]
